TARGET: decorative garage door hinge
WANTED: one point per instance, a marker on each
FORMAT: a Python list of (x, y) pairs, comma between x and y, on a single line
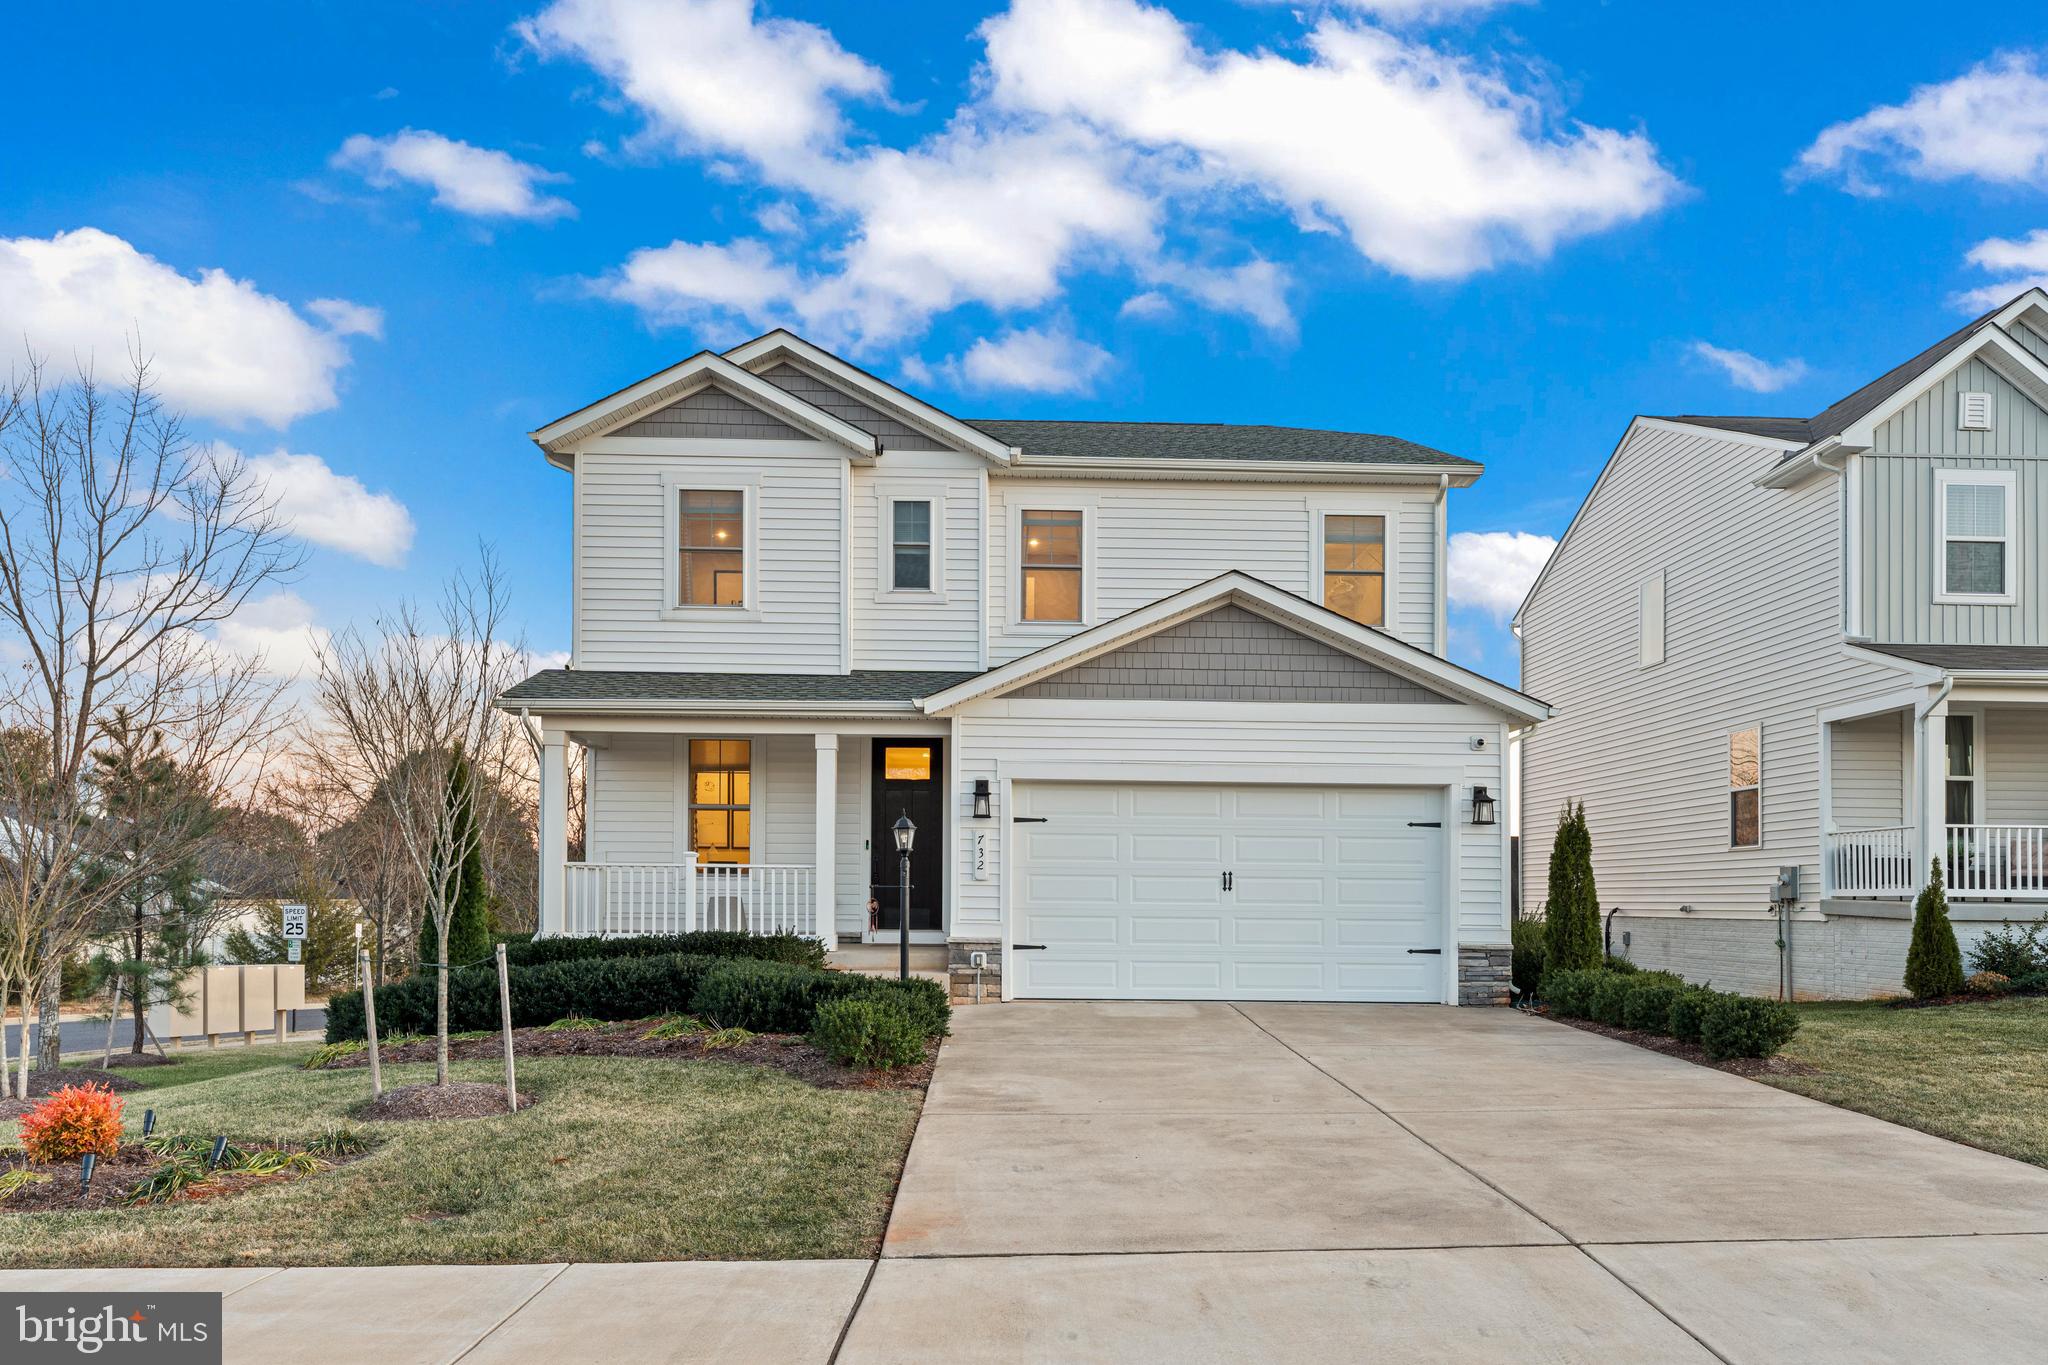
[(1425, 824), (1028, 819), (1434, 952)]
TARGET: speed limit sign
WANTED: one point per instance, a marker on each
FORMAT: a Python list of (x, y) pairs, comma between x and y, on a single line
[(294, 921)]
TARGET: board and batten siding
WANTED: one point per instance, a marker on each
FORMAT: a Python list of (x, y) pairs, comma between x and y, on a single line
[(623, 571), (893, 630), (1153, 539), (1088, 741), (2035, 344), (1752, 638)]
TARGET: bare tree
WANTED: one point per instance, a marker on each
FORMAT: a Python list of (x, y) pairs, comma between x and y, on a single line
[(122, 544), (399, 706)]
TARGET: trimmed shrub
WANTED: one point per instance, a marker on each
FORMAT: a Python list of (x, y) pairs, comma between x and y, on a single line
[(74, 1120), (867, 1031), (1526, 970), (1572, 912), (1934, 964), (2014, 950), (1688, 1013), (1648, 1003), (1620, 964), (2033, 983), (765, 997), (1570, 993), (1745, 1026), (791, 948), (1610, 995), (1987, 983)]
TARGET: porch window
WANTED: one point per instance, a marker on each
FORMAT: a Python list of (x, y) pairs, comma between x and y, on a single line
[(712, 549), (1355, 568), (1052, 566), (1745, 789), (911, 545), (1976, 534), (721, 790), (1961, 790)]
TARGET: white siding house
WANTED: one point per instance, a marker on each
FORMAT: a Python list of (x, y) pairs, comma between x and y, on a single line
[(1166, 703), (1775, 585)]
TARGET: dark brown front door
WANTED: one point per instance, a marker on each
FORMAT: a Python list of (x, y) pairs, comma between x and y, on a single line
[(909, 780)]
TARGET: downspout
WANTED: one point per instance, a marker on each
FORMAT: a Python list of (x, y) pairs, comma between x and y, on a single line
[(1443, 549)]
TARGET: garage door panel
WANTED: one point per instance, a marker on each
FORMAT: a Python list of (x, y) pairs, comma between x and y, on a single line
[(1330, 889)]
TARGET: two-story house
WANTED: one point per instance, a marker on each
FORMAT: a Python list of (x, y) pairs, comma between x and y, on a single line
[(1817, 643), (1165, 704)]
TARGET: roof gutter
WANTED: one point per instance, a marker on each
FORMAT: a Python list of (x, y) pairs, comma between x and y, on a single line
[(692, 707), (1329, 470), (1803, 466)]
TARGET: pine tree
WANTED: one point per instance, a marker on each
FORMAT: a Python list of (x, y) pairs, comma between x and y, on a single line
[(328, 953), (469, 923), (1572, 925), (1934, 962)]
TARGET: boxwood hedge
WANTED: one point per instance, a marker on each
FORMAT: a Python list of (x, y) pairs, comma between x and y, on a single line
[(1726, 1024), (791, 948)]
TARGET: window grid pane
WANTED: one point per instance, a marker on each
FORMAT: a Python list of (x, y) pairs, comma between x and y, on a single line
[(711, 568), (1976, 566), (1355, 568), (721, 823), (911, 567), (1976, 509), (1052, 566)]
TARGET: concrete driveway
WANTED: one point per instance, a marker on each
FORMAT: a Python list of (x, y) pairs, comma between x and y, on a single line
[(1200, 1182)]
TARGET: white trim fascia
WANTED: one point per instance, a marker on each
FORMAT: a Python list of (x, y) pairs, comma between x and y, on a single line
[(1852, 545), (1740, 438), (1811, 462), (763, 351), (2004, 478), (685, 378), (1294, 712), (2030, 307), (1864, 708), (1235, 471), (981, 583), (1992, 345), (1438, 554), (1297, 613), (1919, 672), (739, 709)]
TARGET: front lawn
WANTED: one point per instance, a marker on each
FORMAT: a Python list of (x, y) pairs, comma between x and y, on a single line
[(1974, 1073), (205, 1064), (620, 1160)]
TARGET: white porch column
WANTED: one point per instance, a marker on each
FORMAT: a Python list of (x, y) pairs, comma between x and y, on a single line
[(1932, 803), (554, 831), (825, 809)]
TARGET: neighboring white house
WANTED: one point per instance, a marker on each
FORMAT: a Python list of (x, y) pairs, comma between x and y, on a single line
[(1165, 702), (1815, 643)]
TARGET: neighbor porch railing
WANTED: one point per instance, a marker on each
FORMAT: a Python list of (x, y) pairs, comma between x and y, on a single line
[(1997, 861), (678, 898), (1877, 861)]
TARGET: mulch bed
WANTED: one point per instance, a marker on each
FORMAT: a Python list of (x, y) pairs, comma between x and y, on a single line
[(455, 1100), (115, 1176), (1692, 1052), (785, 1052), (121, 1059), (42, 1083)]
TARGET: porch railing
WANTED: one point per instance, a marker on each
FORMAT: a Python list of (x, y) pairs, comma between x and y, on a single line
[(1877, 861), (1996, 861), (676, 898)]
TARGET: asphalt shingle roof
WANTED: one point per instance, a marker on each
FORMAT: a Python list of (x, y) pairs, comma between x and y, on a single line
[(1210, 441), (2011, 658), (877, 685)]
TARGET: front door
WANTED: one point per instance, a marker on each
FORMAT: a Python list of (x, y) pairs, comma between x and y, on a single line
[(907, 782)]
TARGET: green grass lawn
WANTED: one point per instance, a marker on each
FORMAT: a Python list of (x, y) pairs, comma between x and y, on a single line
[(1976, 1073), (621, 1160), (204, 1064)]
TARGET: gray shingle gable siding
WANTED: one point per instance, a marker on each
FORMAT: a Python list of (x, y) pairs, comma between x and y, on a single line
[(893, 434), (716, 413), (1229, 654), (1211, 441), (567, 685)]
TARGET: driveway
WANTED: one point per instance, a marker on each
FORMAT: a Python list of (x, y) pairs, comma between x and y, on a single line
[(1341, 1182)]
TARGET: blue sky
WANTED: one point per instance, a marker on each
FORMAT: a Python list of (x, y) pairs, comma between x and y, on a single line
[(372, 245)]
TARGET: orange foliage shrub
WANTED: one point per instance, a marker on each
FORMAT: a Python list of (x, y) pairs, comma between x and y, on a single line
[(71, 1122)]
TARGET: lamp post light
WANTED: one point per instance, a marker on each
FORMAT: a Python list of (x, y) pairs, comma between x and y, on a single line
[(906, 834)]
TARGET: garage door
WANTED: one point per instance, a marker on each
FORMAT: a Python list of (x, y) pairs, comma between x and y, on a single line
[(1181, 892)]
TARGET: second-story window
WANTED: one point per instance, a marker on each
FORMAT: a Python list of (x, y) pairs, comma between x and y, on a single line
[(712, 553), (1355, 567), (1052, 566), (911, 545), (1975, 512), (1746, 789)]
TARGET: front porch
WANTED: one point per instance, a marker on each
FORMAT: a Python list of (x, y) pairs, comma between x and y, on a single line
[(1964, 780)]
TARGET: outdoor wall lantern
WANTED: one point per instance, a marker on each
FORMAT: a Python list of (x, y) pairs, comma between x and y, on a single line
[(981, 798), (1482, 806)]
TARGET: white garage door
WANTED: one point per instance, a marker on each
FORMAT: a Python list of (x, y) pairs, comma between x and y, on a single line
[(1182, 892)]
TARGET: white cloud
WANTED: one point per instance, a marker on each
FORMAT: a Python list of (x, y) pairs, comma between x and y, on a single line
[(1098, 135), (1990, 123), (281, 629), (709, 74), (334, 510), (780, 218), (1030, 360), (685, 282), (346, 319), (2020, 262), (1403, 12), (1433, 167), (1149, 305), (219, 346), (479, 181), (1746, 371), (1491, 571)]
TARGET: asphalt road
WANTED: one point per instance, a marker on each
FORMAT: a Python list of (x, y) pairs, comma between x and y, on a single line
[(82, 1035)]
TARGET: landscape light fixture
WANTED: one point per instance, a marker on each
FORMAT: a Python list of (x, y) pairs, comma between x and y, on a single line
[(220, 1147), (906, 835), (85, 1165), (148, 1122), (981, 798), (1482, 806)]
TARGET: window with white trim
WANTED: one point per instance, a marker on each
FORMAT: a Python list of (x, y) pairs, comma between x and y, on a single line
[(711, 547), (1650, 621), (1051, 579), (1355, 567), (1974, 509), (910, 545), (1746, 788), (721, 800)]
